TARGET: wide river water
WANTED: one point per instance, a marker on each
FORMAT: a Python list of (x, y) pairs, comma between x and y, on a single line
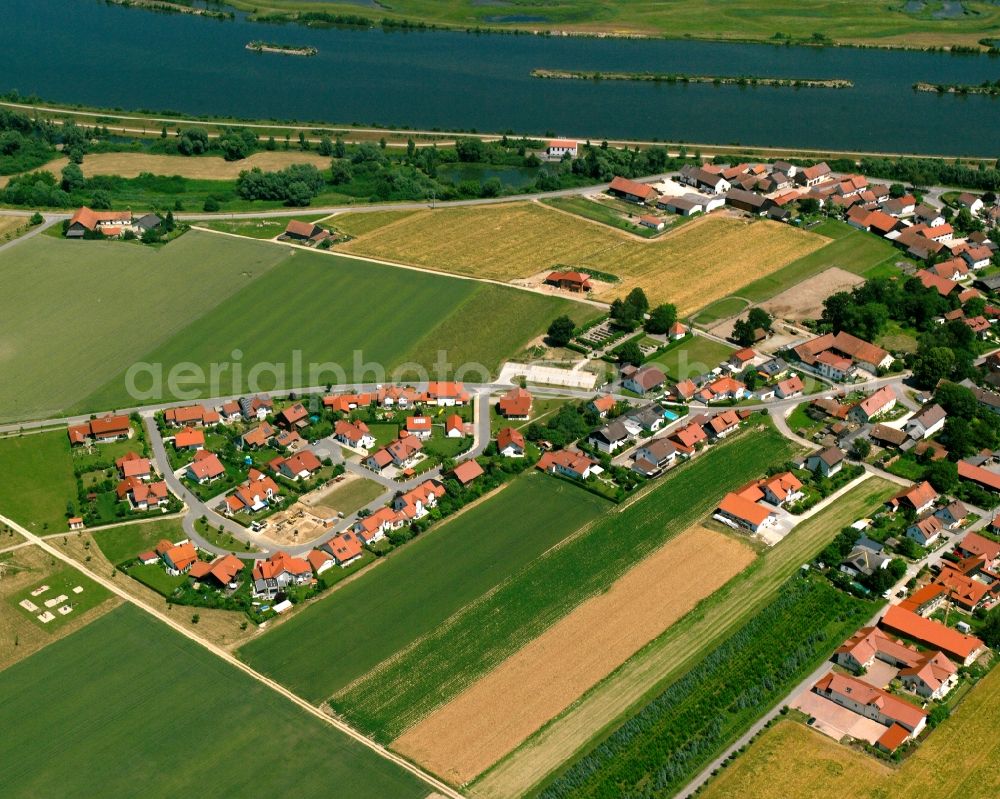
[(83, 51)]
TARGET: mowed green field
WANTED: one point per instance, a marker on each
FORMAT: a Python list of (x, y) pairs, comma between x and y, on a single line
[(695, 356), (128, 540), (92, 309), (346, 635), (77, 311), (400, 692), (359, 320), (36, 480), (852, 250), (127, 707)]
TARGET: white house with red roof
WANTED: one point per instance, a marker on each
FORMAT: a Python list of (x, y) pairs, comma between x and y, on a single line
[(510, 443), (417, 502), (132, 464), (354, 434), (281, 570), (567, 463), (454, 426), (258, 492), (557, 148), (445, 393), (344, 548), (300, 466), (189, 438), (874, 405), (419, 426), (205, 468), (372, 528)]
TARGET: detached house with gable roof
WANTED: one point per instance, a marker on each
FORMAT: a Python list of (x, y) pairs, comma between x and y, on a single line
[(274, 574), (510, 443), (568, 463), (873, 406)]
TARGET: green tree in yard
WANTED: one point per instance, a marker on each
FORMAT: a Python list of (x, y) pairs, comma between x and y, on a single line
[(629, 353), (637, 298), (931, 365), (861, 447), (990, 629), (36, 219), (743, 332), (661, 319), (897, 190), (943, 475), (325, 146), (340, 173), (72, 177), (561, 331), (211, 205), (339, 148), (101, 200), (759, 318)]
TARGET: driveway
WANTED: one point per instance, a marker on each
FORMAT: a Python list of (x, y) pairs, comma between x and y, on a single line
[(836, 721)]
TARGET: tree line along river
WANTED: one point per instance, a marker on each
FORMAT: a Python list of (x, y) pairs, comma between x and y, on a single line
[(87, 52)]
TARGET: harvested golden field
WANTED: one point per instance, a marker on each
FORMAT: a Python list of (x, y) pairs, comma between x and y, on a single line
[(20, 636), (485, 722), (358, 223), (701, 261), (8, 224), (958, 759), (205, 167)]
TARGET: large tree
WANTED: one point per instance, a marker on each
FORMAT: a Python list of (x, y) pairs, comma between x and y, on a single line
[(661, 319), (561, 331)]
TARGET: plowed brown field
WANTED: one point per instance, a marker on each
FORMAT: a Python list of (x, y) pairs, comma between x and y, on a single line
[(464, 737)]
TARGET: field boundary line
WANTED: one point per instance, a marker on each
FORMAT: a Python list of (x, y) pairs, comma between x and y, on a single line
[(232, 660)]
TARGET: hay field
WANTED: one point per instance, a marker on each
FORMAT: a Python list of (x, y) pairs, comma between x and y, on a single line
[(675, 652), (8, 224), (474, 730), (702, 261), (20, 634), (202, 167), (958, 760), (358, 223)]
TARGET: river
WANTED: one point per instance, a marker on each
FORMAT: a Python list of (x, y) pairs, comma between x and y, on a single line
[(83, 51)]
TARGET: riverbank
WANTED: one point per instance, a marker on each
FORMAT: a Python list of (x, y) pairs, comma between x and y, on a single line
[(715, 80), (281, 49), (991, 89), (815, 22), (173, 8)]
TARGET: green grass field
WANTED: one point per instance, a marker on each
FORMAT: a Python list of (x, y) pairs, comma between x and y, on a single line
[(694, 356), (438, 666), (263, 228), (204, 295), (121, 543), (675, 652), (365, 318), (128, 690), (599, 212), (843, 21), (345, 636), (36, 480), (852, 250), (91, 307), (61, 583)]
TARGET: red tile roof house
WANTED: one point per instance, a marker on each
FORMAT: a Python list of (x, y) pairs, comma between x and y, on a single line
[(902, 719), (256, 407), (205, 468), (722, 425), (101, 430), (344, 548), (191, 415), (454, 426), (744, 512), (293, 416), (977, 257), (132, 464), (417, 502), (741, 358), (792, 387), (557, 148), (231, 412), (510, 443), (602, 405), (926, 530), (86, 220), (190, 438), (254, 495), (577, 282), (399, 453), (143, 496), (725, 388), (942, 285), (929, 674), (964, 590), (177, 558), (515, 404), (688, 437), (224, 570), (258, 437), (277, 572), (924, 601), (353, 434), (977, 474), (777, 490), (305, 231), (419, 426), (652, 222), (873, 406), (977, 546), (445, 394), (961, 648), (300, 466), (289, 439), (643, 380), (653, 457), (467, 471), (575, 465), (919, 497), (372, 528), (857, 351), (632, 191), (398, 396)]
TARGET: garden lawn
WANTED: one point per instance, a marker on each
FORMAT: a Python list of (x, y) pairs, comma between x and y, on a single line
[(695, 355), (675, 652), (36, 480), (342, 637), (127, 684), (354, 493), (851, 249), (398, 693), (358, 320), (92, 307), (126, 541)]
